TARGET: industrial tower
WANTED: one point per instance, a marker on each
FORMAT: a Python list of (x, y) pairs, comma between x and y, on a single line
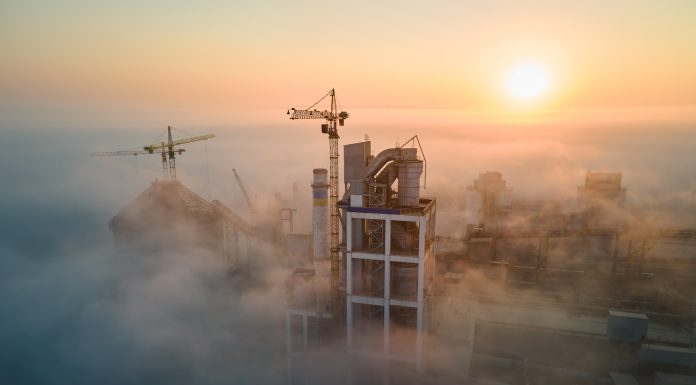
[(332, 117)]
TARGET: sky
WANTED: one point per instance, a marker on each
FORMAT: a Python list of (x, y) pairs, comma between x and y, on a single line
[(84, 76), (224, 55)]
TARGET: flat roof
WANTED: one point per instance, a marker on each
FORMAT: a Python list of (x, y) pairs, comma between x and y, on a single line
[(424, 205), (622, 379), (616, 313), (667, 348), (556, 318), (674, 378)]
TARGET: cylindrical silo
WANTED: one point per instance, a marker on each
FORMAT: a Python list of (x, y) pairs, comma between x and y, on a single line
[(404, 278), (320, 233), (404, 237), (409, 182)]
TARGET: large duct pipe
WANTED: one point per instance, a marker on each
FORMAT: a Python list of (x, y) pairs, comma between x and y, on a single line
[(382, 159), (386, 156), (320, 234)]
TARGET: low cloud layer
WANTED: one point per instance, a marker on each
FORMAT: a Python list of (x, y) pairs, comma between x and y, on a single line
[(75, 313), (89, 316)]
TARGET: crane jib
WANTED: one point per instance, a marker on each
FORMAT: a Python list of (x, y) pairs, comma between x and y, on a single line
[(165, 148), (308, 114)]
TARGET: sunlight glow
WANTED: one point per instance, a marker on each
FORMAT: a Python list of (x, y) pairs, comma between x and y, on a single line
[(527, 80)]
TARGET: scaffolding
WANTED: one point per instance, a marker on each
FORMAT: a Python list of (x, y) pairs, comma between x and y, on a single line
[(377, 195)]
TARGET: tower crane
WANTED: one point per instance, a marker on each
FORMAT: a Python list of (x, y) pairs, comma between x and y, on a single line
[(166, 149), (333, 119), (247, 198)]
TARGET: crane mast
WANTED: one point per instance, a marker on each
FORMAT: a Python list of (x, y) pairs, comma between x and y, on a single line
[(333, 118)]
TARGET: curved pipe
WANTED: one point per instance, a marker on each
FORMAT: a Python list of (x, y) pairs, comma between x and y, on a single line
[(386, 156), (383, 176), (383, 158)]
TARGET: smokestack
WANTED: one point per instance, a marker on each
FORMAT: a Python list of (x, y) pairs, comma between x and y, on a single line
[(320, 232)]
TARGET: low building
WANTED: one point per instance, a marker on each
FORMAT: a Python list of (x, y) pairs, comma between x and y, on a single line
[(169, 217)]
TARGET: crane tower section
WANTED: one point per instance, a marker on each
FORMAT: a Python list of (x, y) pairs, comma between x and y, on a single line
[(333, 118)]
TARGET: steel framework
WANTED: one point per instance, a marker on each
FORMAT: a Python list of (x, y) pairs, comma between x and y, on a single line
[(333, 118)]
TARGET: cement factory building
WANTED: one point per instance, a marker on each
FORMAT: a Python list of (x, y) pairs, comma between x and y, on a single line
[(534, 293), (560, 297), (170, 218)]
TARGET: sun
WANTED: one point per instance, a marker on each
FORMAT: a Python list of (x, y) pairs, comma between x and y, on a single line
[(527, 80)]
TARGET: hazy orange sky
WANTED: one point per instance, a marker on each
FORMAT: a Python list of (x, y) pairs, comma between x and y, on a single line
[(406, 54)]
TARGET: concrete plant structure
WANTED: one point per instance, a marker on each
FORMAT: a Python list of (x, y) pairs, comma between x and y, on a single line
[(308, 315), (488, 201), (551, 298), (602, 200), (389, 258), (170, 218)]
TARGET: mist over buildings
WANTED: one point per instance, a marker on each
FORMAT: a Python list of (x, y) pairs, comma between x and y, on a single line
[(75, 313), (618, 95)]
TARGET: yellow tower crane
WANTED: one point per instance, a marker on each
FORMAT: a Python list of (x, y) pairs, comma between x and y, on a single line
[(166, 149), (333, 118)]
